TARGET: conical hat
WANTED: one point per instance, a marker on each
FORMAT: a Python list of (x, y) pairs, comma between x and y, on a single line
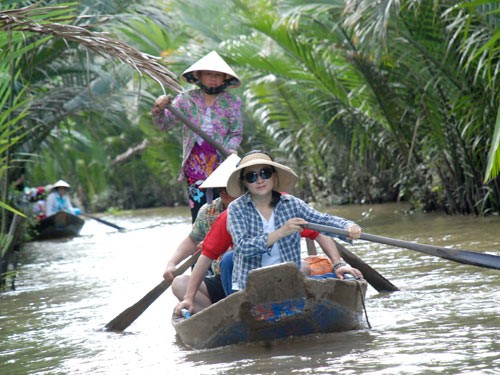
[(284, 183), (219, 177), (215, 63), (61, 183)]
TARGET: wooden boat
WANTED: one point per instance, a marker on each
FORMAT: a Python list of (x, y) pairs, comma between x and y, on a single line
[(61, 224), (279, 302)]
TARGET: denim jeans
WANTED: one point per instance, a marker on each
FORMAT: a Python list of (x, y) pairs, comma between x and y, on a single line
[(226, 271)]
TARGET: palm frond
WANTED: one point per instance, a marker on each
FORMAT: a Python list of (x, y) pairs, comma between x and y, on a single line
[(493, 167), (26, 20)]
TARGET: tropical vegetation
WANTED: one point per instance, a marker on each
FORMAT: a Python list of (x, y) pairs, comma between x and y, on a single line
[(372, 101)]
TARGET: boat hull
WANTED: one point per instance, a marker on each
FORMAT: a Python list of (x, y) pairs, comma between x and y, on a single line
[(279, 302), (60, 225)]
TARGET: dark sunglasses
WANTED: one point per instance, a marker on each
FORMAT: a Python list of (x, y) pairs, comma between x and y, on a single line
[(265, 173)]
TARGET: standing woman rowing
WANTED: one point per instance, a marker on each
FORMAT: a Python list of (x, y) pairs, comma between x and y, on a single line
[(211, 108)]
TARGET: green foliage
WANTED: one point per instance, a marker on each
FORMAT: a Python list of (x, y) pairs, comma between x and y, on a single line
[(76, 120), (13, 110), (371, 101), (390, 82), (493, 168)]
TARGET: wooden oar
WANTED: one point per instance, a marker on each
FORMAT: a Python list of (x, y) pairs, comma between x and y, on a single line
[(375, 279), (128, 316), (198, 131), (460, 256), (103, 221)]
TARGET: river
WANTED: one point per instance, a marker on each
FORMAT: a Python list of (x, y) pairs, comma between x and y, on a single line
[(445, 319)]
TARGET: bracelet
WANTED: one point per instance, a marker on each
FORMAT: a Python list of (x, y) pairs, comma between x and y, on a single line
[(336, 266)]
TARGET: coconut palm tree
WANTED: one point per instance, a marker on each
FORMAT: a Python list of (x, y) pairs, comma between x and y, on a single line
[(77, 96), (384, 99), (441, 49), (372, 101)]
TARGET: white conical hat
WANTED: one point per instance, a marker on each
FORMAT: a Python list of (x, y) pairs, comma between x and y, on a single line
[(215, 63), (60, 183), (219, 177)]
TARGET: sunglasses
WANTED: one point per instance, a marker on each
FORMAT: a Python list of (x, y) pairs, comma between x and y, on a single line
[(265, 173)]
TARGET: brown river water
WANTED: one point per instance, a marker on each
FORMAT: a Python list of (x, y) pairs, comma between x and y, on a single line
[(445, 319)]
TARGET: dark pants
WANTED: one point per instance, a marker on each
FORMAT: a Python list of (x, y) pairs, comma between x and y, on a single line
[(198, 197)]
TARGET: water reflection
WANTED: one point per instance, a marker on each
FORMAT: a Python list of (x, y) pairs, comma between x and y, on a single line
[(444, 319)]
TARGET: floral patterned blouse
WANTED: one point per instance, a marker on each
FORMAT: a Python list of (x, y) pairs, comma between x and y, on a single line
[(226, 120)]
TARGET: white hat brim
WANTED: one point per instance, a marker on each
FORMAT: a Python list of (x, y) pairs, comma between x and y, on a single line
[(219, 177), (215, 63), (61, 183)]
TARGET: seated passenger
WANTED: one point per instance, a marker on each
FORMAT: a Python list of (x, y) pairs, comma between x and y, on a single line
[(264, 223), (58, 199)]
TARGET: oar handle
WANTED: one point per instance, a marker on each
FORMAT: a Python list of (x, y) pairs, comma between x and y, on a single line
[(222, 150), (327, 229), (187, 263)]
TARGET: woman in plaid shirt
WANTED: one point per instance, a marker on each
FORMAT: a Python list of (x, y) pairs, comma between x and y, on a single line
[(264, 223)]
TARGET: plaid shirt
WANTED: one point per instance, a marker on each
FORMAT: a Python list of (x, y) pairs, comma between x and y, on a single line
[(250, 242)]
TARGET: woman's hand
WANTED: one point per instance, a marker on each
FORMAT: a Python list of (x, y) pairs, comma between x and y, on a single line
[(168, 274), (184, 304), (160, 104), (339, 272), (292, 226), (354, 231)]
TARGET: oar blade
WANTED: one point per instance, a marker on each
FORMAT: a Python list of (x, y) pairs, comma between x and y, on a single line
[(128, 316), (374, 278), (473, 258), (479, 259), (109, 224)]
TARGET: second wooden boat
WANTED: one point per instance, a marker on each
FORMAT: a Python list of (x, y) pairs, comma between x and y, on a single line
[(61, 224)]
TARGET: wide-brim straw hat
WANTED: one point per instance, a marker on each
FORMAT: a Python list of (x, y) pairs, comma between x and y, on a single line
[(61, 183), (283, 182), (219, 177), (212, 62)]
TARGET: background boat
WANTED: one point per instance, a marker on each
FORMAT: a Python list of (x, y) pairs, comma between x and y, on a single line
[(61, 224)]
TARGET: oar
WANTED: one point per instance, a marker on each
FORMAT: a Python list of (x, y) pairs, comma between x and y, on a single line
[(195, 129), (198, 131), (460, 256), (375, 279), (128, 316), (103, 221)]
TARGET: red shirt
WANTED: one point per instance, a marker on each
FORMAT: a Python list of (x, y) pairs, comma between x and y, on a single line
[(218, 239)]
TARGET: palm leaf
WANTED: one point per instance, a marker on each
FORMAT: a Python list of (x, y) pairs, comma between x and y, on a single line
[(493, 167), (23, 21)]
